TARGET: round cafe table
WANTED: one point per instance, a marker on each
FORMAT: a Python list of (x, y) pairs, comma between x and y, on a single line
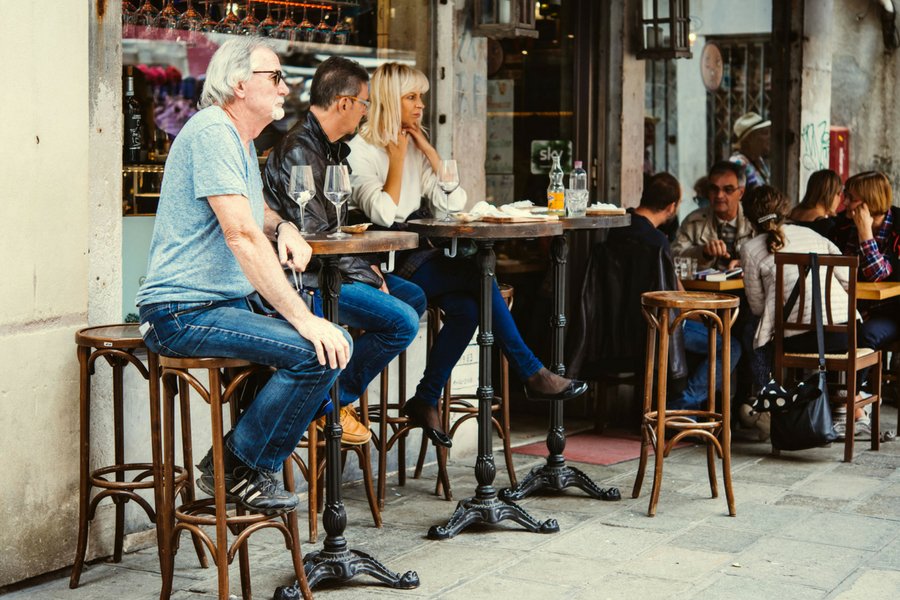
[(555, 475), (336, 561), (485, 506)]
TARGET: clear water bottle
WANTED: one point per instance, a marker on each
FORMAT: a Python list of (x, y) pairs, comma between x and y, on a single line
[(577, 194), (556, 192)]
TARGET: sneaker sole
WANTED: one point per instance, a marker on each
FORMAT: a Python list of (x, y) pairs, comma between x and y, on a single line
[(232, 499)]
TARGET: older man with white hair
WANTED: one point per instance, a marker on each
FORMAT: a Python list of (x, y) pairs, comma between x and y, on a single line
[(211, 259)]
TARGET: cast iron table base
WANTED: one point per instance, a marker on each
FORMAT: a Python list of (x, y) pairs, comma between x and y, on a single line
[(555, 475)]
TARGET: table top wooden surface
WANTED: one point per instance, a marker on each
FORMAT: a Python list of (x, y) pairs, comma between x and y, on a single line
[(362, 243), (595, 222), (480, 230), (702, 285), (865, 290)]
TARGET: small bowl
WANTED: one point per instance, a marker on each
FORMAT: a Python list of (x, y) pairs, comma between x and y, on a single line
[(358, 228)]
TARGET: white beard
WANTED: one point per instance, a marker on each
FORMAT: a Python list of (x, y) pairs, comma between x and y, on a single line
[(277, 113)]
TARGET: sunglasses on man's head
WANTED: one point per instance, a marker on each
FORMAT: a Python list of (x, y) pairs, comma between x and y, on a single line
[(276, 76)]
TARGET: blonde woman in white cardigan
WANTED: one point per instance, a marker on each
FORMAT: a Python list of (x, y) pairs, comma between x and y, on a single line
[(393, 176), (767, 208)]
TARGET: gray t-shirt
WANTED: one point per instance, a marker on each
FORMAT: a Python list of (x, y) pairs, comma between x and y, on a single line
[(189, 259)]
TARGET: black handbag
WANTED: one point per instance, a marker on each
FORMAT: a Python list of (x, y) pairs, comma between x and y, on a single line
[(805, 421)]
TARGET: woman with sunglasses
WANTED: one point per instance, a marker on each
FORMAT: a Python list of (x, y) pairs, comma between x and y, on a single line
[(870, 229), (393, 176)]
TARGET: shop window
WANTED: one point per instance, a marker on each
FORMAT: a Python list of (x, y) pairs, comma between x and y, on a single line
[(746, 86)]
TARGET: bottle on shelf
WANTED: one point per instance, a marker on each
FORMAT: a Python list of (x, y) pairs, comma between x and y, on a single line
[(556, 192), (133, 133)]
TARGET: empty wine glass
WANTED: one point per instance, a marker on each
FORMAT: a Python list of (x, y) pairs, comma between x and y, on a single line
[(302, 188), (250, 24), (341, 32), (337, 189), (128, 11), (305, 30), (167, 17), (267, 25), (448, 181), (190, 20), (323, 29), (145, 16), (229, 22), (287, 29), (208, 23)]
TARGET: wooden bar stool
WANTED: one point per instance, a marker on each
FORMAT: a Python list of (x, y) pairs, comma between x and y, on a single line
[(117, 344), (213, 512), (661, 310)]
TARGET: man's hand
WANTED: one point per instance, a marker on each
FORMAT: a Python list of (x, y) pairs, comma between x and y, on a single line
[(329, 342), (862, 218), (293, 250), (716, 249), (384, 285)]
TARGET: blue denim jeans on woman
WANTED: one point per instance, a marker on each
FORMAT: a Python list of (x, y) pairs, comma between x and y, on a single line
[(390, 322), (270, 428), (696, 341), (454, 285)]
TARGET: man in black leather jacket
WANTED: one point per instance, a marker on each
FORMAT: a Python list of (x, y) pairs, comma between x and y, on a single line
[(386, 307)]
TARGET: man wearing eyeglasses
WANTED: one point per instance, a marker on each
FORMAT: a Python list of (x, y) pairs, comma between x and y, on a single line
[(387, 308), (211, 261), (714, 235)]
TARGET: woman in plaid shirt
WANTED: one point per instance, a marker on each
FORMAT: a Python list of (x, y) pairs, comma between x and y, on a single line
[(870, 229)]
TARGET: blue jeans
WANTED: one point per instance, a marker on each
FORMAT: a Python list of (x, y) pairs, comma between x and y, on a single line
[(454, 285), (696, 340), (390, 322), (270, 428)]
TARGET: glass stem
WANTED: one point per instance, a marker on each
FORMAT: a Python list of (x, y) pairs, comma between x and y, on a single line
[(302, 225), (337, 208)]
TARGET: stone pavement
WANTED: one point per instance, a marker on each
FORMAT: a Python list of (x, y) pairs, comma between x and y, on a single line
[(807, 526)]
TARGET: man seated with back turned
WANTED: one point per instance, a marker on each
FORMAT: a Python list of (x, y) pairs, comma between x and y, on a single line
[(714, 235), (211, 259), (387, 308), (659, 205)]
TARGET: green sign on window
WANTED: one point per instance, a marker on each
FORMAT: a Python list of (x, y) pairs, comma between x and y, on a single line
[(542, 152)]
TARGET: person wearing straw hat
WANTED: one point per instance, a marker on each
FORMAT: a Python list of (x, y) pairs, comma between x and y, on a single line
[(752, 144)]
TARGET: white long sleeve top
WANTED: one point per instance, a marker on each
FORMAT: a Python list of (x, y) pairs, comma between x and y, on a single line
[(759, 280), (370, 167)]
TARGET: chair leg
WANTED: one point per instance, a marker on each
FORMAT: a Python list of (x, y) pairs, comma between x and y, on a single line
[(381, 485), (851, 417), (244, 563), (645, 426), (401, 443), (187, 490), (296, 553), (661, 369), (876, 407), (365, 462), (312, 482), (504, 420), (84, 484), (119, 453), (165, 510), (215, 405)]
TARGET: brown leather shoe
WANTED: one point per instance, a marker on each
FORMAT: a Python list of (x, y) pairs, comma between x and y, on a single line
[(355, 433)]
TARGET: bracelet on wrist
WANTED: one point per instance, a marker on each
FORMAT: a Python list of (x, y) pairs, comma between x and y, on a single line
[(278, 227)]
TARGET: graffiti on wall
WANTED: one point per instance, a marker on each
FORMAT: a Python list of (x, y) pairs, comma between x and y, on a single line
[(814, 145), (471, 82)]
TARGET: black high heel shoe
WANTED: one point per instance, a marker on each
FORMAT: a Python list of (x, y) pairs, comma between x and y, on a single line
[(417, 411)]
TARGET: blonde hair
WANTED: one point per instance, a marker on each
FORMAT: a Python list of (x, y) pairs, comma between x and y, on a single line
[(874, 189), (766, 208), (389, 83)]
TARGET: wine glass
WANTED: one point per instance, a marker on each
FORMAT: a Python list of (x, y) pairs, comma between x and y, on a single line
[(229, 22), (287, 29), (302, 188), (190, 20), (250, 24), (305, 30), (145, 16), (267, 25), (208, 23), (323, 30), (448, 181), (341, 32), (337, 189), (167, 17)]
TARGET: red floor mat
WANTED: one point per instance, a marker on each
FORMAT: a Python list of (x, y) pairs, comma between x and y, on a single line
[(596, 449)]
